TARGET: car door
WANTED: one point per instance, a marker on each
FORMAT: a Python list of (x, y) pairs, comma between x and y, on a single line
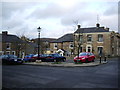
[(90, 57)]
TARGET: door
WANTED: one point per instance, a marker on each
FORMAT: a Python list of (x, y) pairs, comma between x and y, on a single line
[(100, 51)]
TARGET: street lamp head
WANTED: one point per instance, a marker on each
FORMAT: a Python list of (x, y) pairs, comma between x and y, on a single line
[(38, 29)]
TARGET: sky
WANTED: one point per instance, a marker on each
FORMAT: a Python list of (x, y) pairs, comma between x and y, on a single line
[(56, 17)]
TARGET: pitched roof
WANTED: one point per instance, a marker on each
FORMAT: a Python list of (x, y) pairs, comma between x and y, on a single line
[(47, 39), (65, 38), (43, 40), (10, 38), (33, 44), (91, 30)]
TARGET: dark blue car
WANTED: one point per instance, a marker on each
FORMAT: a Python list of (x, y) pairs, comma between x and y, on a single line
[(28, 58), (11, 59), (55, 58)]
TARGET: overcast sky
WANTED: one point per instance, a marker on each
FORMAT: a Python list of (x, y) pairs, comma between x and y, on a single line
[(56, 17)]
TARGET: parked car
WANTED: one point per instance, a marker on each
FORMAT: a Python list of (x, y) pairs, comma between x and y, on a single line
[(42, 57), (85, 57), (11, 59), (49, 57), (28, 58), (55, 58)]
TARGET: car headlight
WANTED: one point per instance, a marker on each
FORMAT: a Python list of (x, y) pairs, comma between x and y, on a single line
[(83, 58)]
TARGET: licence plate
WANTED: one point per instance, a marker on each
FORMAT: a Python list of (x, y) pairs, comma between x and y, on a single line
[(15, 60)]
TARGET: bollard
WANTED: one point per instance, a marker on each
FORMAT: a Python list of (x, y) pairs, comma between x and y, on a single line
[(105, 59), (100, 59)]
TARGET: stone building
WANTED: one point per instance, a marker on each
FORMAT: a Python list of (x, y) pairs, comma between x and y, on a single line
[(11, 44), (98, 40), (63, 45), (44, 44)]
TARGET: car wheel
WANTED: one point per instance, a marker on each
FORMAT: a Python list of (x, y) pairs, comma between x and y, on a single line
[(55, 60), (93, 60), (64, 60)]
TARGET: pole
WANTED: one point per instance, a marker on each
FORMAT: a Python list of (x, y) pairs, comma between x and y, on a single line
[(38, 42), (78, 47), (100, 59), (105, 59)]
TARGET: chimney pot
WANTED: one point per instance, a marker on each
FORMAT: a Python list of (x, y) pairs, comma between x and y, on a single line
[(97, 25), (4, 32), (107, 29), (78, 26)]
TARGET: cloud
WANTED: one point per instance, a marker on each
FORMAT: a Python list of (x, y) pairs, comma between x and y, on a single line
[(8, 8), (112, 9), (55, 17), (111, 22), (52, 10)]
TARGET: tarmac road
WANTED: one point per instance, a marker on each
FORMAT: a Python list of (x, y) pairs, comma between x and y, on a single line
[(27, 76)]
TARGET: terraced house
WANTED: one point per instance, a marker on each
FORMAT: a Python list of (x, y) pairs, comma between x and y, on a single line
[(98, 40), (63, 45), (11, 44)]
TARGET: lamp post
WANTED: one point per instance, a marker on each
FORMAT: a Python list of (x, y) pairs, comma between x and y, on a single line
[(79, 40), (38, 41)]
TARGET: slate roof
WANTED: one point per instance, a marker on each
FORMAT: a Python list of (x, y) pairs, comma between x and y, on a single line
[(10, 38), (47, 39), (43, 40), (33, 44), (91, 30), (65, 38)]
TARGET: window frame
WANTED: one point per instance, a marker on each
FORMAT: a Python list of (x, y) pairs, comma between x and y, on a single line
[(8, 46), (100, 38), (55, 45), (89, 38)]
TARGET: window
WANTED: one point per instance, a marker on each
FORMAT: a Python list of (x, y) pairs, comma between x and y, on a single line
[(100, 50), (8, 45), (81, 37), (8, 52), (89, 38), (71, 45), (13, 52), (89, 49), (55, 45), (1, 52), (100, 38)]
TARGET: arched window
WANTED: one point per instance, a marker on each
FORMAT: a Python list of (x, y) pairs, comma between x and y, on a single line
[(89, 49)]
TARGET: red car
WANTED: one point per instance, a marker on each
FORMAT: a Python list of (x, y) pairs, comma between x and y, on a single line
[(85, 57)]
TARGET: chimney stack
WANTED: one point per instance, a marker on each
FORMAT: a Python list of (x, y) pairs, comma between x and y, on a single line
[(107, 29), (4, 32), (78, 26), (97, 25)]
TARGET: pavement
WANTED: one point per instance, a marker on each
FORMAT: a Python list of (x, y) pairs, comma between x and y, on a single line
[(66, 64)]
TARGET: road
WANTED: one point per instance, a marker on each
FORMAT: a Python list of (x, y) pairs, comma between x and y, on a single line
[(27, 76)]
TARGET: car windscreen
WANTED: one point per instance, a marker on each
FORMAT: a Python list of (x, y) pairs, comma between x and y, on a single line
[(44, 55), (12, 56), (56, 55), (82, 54)]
